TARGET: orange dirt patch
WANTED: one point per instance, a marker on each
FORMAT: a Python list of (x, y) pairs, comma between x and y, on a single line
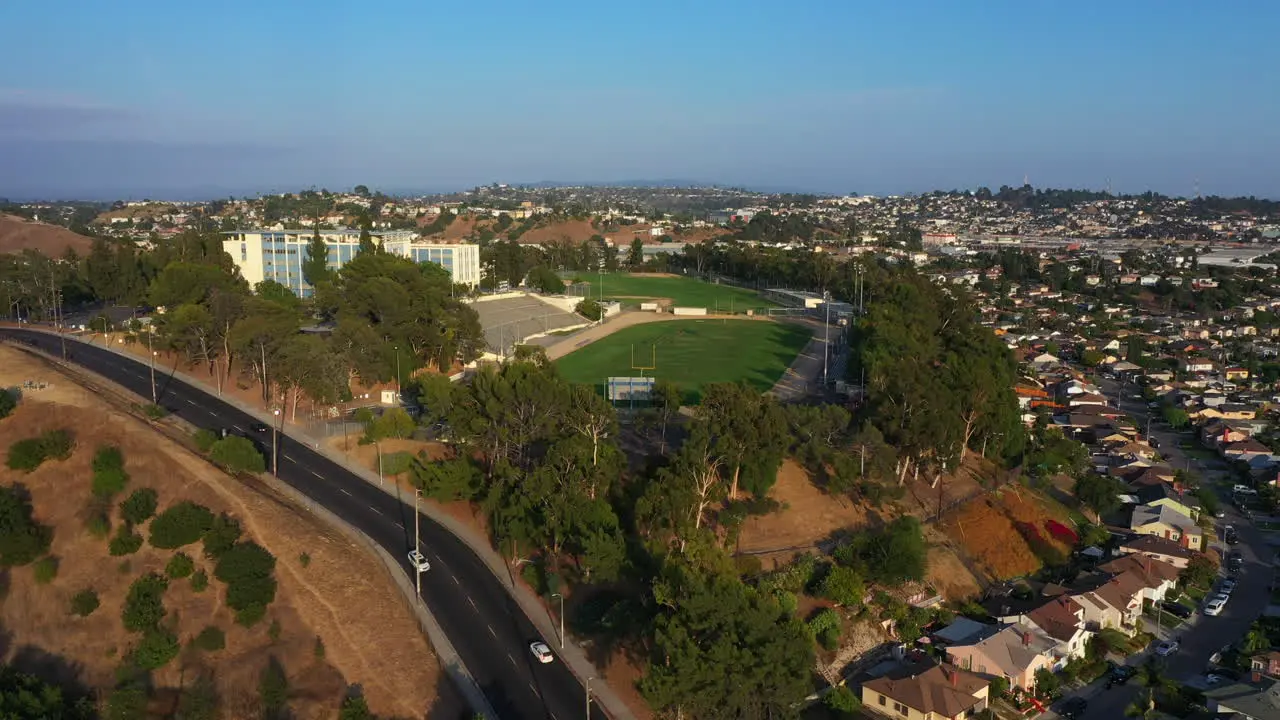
[(573, 232), (18, 234), (989, 537), (369, 633), (808, 515)]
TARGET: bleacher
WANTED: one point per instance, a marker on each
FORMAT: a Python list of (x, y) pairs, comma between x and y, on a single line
[(510, 321)]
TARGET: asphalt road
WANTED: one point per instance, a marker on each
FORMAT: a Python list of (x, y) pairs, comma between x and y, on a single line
[(487, 628), (1199, 639)]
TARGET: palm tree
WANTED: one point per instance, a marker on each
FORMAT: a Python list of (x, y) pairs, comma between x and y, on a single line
[(1256, 639), (1144, 706)]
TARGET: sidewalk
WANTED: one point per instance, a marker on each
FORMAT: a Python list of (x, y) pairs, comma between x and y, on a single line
[(573, 655)]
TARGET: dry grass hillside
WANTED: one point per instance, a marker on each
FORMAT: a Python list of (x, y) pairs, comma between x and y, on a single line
[(18, 234), (337, 619)]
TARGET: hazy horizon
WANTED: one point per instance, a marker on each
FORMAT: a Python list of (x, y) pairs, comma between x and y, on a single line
[(816, 97)]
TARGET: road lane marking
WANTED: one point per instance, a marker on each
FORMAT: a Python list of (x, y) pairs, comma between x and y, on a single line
[(313, 472), (286, 457), (473, 603), (344, 492), (400, 525), (238, 428), (371, 507), (455, 579), (191, 402), (535, 690), (512, 659), (491, 632)]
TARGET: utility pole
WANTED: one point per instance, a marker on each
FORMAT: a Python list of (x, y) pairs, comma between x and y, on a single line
[(826, 337), (275, 453), (589, 679), (152, 352), (558, 595), (417, 542), (397, 349)]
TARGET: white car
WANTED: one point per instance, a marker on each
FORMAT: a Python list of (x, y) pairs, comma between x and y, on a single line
[(541, 651), (419, 561), (1166, 648), (1213, 608)]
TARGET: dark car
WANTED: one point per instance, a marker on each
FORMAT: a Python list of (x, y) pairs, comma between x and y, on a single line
[(1153, 442), (1176, 609), (1072, 707), (260, 428)]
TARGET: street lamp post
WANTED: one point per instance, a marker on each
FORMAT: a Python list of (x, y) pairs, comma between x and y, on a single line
[(826, 337), (150, 349), (558, 595), (589, 679), (417, 542), (397, 349), (275, 453)]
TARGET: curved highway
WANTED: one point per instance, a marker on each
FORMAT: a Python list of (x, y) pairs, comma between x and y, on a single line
[(486, 626)]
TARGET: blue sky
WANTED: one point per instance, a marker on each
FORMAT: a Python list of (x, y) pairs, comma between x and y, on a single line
[(180, 99)]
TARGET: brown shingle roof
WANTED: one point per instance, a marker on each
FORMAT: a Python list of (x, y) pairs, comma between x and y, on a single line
[(931, 690), (1158, 545), (1057, 617)]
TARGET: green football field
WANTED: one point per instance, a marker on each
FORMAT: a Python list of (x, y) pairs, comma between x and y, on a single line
[(683, 292), (691, 353)]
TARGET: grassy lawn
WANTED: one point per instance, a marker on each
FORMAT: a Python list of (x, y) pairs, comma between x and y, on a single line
[(692, 353), (1194, 594), (1166, 620), (683, 292)]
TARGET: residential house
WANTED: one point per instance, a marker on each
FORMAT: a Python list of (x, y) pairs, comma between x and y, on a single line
[(1158, 548), (1062, 619), (1014, 653), (1156, 577), (1166, 522), (1267, 663), (1157, 494), (1236, 373), (1097, 613), (1256, 699), (939, 692), (1197, 364)]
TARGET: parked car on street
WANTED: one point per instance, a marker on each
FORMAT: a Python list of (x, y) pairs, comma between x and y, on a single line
[(1073, 707), (1167, 648), (1176, 609)]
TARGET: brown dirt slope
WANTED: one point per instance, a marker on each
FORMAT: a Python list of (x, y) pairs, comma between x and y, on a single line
[(1005, 533), (18, 234), (808, 516), (341, 596)]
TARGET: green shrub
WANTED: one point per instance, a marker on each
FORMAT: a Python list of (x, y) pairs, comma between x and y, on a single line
[(8, 401), (179, 566), (108, 457), (843, 586), (200, 581), (58, 444), (98, 525), (273, 631), (304, 559), (109, 483), (22, 539), (46, 569), (318, 650), (221, 537), (156, 648), (84, 603), (26, 455), (248, 570), (823, 620), (237, 454), (829, 638), (204, 439), (144, 605), (842, 701), (793, 578), (210, 639), (180, 524), (155, 412), (139, 506), (125, 542)]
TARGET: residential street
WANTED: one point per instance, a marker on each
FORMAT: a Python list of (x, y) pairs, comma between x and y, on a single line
[(1202, 635)]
